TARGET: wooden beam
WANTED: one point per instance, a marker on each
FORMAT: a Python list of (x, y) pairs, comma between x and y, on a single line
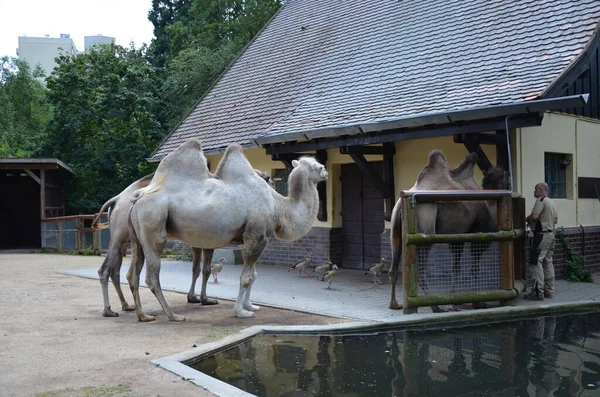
[(481, 138), (366, 168), (322, 188), (502, 151), (365, 150), (43, 193), (34, 176), (483, 163), (405, 134)]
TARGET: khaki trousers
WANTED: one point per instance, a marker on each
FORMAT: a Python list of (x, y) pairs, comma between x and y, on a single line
[(541, 268)]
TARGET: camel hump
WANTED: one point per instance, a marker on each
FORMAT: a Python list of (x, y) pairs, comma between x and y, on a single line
[(234, 164), (187, 162), (436, 171)]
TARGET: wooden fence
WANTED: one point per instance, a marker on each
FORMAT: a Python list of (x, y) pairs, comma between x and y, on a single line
[(73, 233), (510, 237)]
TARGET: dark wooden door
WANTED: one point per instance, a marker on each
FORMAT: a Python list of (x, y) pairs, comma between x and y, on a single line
[(362, 218)]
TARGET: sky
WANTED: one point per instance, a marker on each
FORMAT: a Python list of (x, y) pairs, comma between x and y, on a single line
[(125, 20)]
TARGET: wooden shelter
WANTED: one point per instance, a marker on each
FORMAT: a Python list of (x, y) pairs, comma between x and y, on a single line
[(32, 189)]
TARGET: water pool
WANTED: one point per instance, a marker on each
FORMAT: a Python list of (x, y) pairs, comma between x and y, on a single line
[(537, 356)]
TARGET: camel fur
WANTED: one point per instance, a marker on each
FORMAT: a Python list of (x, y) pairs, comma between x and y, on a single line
[(236, 207), (451, 217)]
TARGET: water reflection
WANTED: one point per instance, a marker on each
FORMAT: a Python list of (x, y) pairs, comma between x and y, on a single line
[(545, 356)]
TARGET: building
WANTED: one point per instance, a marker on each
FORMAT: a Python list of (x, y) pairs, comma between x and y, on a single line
[(90, 41), (43, 50), (371, 88)]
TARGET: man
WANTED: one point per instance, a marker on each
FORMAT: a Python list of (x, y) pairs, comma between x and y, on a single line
[(543, 219)]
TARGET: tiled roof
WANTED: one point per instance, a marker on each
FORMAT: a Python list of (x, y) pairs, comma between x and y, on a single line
[(321, 64)]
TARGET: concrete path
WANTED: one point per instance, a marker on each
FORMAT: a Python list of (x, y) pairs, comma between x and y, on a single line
[(353, 295)]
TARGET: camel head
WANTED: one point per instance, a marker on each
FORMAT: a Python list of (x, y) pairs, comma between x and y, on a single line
[(495, 179), (314, 171)]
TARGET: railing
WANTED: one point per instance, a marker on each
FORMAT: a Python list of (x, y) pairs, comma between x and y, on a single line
[(73, 233), (496, 258)]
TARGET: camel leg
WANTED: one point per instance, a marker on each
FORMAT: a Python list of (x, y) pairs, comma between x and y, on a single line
[(206, 262), (133, 277), (153, 281), (116, 280), (192, 297), (476, 253), (246, 303), (396, 243), (456, 249), (255, 242), (111, 260)]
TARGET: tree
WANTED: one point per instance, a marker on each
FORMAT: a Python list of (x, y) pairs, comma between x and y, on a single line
[(104, 123), (165, 13), (202, 43), (24, 110)]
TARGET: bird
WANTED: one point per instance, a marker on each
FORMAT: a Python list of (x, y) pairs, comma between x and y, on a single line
[(322, 269), (376, 270), (216, 268), (330, 275), (302, 264)]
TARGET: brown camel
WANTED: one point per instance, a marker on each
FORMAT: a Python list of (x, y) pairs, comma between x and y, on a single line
[(236, 207), (120, 240), (449, 217)]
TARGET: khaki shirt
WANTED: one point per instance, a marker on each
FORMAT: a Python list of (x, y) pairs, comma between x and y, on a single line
[(545, 208)]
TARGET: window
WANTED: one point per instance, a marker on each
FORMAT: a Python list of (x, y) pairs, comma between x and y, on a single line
[(280, 178), (555, 171)]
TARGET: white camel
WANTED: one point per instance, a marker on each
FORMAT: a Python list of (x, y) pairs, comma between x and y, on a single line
[(119, 242), (235, 207)]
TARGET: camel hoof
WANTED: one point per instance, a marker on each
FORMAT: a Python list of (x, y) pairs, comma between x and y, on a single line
[(109, 313), (395, 306), (244, 314), (128, 308), (194, 299), (437, 309), (480, 305), (177, 317), (146, 318), (209, 302), (252, 308)]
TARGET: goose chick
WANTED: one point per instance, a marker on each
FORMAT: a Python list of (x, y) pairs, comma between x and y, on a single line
[(302, 264), (376, 270), (330, 275), (216, 268), (322, 269)]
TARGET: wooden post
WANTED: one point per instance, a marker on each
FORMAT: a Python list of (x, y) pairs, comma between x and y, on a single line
[(42, 193), (410, 270), (505, 222), (58, 237)]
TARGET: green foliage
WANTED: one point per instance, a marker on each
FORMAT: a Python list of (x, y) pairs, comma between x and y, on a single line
[(105, 122), (202, 40), (575, 270), (24, 110)]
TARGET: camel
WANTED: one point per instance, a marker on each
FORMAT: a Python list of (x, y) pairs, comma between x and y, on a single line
[(449, 217), (236, 207), (119, 242)]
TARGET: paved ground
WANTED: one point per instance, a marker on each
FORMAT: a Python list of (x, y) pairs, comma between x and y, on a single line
[(54, 343), (353, 295)]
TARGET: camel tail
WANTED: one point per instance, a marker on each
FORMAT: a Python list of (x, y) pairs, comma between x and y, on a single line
[(153, 187), (99, 226), (396, 237)]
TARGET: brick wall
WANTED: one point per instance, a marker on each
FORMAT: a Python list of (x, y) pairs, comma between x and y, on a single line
[(325, 242), (590, 248)]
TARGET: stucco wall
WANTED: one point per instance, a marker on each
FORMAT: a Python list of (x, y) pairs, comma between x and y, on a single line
[(561, 133)]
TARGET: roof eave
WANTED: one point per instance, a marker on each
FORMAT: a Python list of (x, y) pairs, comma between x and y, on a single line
[(434, 118)]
